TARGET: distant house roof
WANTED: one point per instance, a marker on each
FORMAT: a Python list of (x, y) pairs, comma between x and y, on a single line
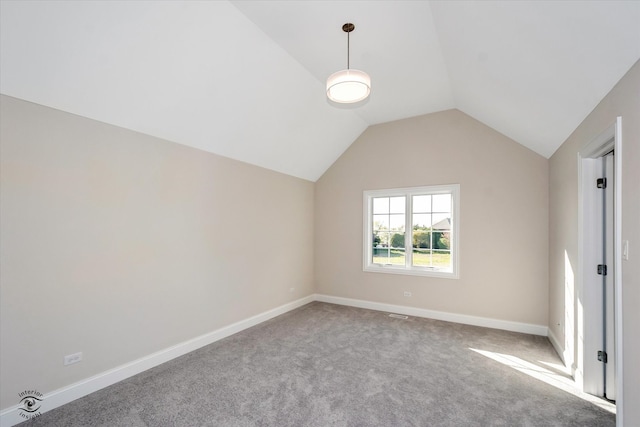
[(445, 224)]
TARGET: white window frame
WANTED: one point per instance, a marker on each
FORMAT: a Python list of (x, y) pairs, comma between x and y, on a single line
[(408, 269)]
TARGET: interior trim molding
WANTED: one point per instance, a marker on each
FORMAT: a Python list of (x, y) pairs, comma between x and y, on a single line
[(486, 322), (560, 350), (11, 416)]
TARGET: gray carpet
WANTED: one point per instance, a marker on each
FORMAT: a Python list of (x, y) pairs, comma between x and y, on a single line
[(329, 365)]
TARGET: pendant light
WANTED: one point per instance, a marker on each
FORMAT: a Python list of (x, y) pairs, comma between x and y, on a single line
[(348, 86)]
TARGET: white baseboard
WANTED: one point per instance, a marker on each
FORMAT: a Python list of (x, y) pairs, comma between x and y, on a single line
[(564, 356), (11, 416), (506, 325), (556, 345)]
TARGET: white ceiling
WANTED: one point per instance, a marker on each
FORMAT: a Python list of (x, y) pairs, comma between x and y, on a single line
[(245, 79)]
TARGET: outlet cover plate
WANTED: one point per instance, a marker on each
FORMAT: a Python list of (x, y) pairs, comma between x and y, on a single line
[(70, 359)]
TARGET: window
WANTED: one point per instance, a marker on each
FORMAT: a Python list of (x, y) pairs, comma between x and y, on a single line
[(412, 231)]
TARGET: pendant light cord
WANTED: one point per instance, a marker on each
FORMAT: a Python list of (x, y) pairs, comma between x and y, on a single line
[(347, 28), (348, 34)]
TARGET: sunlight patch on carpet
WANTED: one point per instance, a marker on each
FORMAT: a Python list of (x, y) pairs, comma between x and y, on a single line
[(543, 374)]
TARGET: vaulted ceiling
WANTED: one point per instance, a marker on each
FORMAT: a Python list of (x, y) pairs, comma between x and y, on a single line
[(246, 79)]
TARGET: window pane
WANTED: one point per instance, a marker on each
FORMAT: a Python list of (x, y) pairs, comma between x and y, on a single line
[(441, 240), (397, 240), (422, 257), (396, 205), (380, 254), (388, 256), (435, 258), (421, 239), (381, 222), (385, 238), (422, 203), (377, 239), (421, 221), (441, 259), (397, 257), (396, 222), (442, 203), (441, 222), (380, 205)]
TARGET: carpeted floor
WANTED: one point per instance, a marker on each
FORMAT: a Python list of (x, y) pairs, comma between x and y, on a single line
[(329, 365)]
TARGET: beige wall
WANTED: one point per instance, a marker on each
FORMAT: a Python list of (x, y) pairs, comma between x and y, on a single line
[(118, 244), (623, 100), (503, 224)]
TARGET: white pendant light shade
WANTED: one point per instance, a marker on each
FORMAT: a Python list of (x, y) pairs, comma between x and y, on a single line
[(348, 86)]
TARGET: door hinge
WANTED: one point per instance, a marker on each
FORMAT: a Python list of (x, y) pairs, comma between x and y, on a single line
[(602, 269), (602, 356), (601, 182)]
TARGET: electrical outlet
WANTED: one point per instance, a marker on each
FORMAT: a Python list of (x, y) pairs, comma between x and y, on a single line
[(292, 289), (72, 358), (407, 294)]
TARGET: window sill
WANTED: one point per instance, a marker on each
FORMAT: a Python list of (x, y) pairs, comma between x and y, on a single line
[(424, 272)]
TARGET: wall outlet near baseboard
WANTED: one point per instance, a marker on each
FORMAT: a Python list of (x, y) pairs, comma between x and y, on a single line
[(292, 289), (70, 359), (407, 293)]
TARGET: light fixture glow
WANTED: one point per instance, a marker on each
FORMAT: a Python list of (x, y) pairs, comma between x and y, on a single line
[(348, 86)]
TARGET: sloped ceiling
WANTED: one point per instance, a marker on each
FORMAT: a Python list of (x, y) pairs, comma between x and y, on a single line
[(246, 79)]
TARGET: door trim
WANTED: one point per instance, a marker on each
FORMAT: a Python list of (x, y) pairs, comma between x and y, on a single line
[(610, 139)]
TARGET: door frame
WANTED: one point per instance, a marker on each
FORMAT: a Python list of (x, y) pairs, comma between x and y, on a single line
[(587, 367)]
